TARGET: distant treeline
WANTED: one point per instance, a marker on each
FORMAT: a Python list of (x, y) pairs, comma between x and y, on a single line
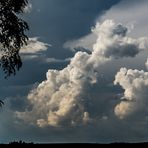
[(47, 144), (20, 142)]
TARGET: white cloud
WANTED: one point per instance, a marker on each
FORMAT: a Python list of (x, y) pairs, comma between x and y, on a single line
[(113, 41), (34, 46), (135, 84), (59, 100)]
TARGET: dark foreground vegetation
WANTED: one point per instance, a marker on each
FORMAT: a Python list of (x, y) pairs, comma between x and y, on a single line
[(31, 144)]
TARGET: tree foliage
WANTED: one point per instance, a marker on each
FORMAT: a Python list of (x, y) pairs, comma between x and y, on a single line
[(12, 34)]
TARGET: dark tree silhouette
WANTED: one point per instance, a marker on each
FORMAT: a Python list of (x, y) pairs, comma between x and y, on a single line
[(12, 34)]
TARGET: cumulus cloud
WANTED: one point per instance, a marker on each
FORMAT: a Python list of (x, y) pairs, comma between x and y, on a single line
[(135, 85), (60, 99), (113, 42)]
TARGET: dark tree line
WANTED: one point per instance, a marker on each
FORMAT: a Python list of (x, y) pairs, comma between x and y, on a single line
[(12, 34)]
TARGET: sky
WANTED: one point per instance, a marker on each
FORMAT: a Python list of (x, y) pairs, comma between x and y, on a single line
[(84, 76)]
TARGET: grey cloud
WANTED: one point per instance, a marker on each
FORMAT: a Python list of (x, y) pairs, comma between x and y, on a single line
[(120, 30)]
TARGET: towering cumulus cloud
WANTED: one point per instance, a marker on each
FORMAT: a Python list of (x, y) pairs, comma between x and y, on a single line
[(135, 84), (59, 100)]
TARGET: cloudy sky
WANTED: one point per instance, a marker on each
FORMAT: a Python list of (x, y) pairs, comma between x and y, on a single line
[(84, 76)]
